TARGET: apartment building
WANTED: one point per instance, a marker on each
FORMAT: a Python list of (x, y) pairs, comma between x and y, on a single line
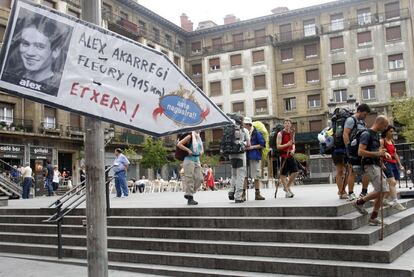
[(299, 64)]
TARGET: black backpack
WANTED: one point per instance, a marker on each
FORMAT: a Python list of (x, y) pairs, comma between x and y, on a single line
[(338, 121), (354, 140), (273, 136), (179, 153), (232, 142)]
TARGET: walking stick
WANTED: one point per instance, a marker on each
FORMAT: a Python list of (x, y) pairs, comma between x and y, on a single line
[(382, 203)]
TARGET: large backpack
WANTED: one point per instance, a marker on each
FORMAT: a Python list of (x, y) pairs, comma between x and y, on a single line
[(338, 121), (179, 153), (232, 142), (273, 136), (354, 139), (326, 141), (261, 128)]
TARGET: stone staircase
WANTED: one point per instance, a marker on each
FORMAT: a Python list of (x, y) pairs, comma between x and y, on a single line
[(227, 241)]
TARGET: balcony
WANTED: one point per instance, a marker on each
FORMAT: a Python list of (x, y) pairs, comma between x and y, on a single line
[(296, 36), (47, 128), (76, 132), (127, 138), (121, 25), (234, 46), (13, 124)]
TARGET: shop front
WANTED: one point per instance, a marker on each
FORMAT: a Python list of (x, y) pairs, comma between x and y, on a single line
[(38, 157)]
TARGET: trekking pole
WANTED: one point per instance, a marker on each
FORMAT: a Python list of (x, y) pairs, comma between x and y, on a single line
[(247, 180), (382, 203), (280, 173), (345, 178)]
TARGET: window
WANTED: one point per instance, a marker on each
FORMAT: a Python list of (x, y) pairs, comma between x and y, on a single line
[(177, 61), (179, 46), (217, 134), (312, 76), (392, 10), (238, 40), (217, 44), (49, 118), (395, 61), (338, 69), (314, 101), (309, 27), (196, 47), (237, 85), (106, 10), (340, 95), (311, 50), (168, 40), (286, 54), (142, 27), (258, 56), (260, 106), (285, 32), (238, 107), (290, 104), (364, 38), (260, 36), (337, 22), (75, 122), (288, 79), (397, 89), (197, 69), (315, 125), (165, 52), (366, 65), (48, 3), (123, 15), (156, 33), (235, 60), (368, 93), (337, 43), (73, 13), (259, 81), (215, 88), (214, 64), (364, 16), (6, 112), (393, 33)]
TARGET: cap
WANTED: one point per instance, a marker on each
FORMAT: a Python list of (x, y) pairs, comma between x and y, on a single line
[(247, 120)]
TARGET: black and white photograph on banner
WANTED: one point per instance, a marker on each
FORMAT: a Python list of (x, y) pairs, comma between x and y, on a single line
[(37, 53)]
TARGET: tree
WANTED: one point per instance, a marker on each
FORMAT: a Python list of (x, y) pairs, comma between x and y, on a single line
[(403, 111), (212, 160), (131, 153), (154, 154)]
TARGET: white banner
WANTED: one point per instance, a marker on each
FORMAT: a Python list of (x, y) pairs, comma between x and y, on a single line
[(64, 62)]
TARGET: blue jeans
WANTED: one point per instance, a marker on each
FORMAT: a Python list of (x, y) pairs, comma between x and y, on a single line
[(391, 170), (121, 185), (27, 184), (48, 185)]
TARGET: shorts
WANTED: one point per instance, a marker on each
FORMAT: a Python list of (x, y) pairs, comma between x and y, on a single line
[(391, 171), (253, 167), (289, 167), (338, 158), (374, 174)]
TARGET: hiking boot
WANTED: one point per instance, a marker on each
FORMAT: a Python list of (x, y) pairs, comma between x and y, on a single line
[(398, 206), (231, 195), (289, 194), (374, 222), (360, 208), (238, 201), (343, 196), (386, 202), (191, 201), (352, 197), (243, 196), (258, 196)]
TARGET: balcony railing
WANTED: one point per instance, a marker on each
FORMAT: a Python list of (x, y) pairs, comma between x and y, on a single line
[(52, 129), (128, 138), (234, 45), (75, 131), (15, 124), (297, 35)]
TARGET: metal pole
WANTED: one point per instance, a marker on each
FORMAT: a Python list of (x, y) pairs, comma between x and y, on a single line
[(96, 228), (59, 231)]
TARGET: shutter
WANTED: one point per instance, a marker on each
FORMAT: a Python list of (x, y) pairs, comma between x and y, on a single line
[(215, 88), (75, 121), (285, 32), (217, 43), (288, 78), (261, 106), (312, 75), (260, 81), (197, 70), (364, 37), (366, 65), (392, 10), (311, 50), (235, 60), (196, 46), (337, 43), (258, 56), (217, 134), (336, 16), (338, 69), (315, 125), (237, 84), (50, 112), (214, 63), (396, 57), (398, 89), (286, 54), (260, 36), (238, 40), (238, 107), (393, 33)]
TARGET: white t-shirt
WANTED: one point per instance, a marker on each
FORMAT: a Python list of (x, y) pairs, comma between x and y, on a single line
[(56, 176)]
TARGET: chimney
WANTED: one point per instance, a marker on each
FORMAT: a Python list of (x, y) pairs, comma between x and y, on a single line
[(280, 10), (230, 18), (185, 23)]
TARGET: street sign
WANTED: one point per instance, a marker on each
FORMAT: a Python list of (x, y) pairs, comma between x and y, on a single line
[(64, 62)]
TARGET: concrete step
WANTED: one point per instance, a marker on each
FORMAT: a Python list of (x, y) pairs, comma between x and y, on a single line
[(253, 264)]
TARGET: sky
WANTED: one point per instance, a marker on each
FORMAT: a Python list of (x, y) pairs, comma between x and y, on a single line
[(198, 10)]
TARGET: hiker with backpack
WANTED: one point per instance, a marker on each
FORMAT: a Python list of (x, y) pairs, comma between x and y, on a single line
[(254, 156), (372, 154), (235, 140), (192, 145), (275, 155), (286, 145), (353, 128)]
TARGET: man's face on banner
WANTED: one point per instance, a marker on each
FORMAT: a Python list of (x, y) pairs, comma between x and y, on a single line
[(35, 50)]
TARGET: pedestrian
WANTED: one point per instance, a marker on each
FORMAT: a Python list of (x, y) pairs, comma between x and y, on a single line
[(27, 180), (210, 178), (392, 168), (56, 178), (371, 153), (15, 174), (254, 156), (48, 173), (352, 125), (82, 174), (121, 164), (140, 184), (193, 176), (285, 143)]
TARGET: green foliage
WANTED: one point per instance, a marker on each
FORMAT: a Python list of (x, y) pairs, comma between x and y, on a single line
[(131, 153), (403, 111), (212, 160), (154, 154), (301, 157)]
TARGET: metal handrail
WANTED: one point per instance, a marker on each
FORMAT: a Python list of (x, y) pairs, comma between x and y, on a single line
[(14, 188)]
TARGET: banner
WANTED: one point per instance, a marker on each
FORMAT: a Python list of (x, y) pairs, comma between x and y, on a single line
[(61, 61)]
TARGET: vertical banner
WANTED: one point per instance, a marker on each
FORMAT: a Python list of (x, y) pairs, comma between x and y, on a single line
[(70, 64)]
